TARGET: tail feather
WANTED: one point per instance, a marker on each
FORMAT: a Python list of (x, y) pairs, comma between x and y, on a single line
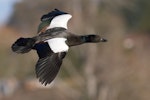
[(23, 45)]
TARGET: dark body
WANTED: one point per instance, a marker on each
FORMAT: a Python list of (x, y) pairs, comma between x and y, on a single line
[(72, 39), (49, 62)]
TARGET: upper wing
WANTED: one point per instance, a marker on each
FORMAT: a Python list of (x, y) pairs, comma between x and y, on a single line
[(48, 64)]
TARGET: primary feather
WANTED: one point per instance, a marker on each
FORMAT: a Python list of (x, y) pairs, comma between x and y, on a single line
[(48, 67), (48, 64)]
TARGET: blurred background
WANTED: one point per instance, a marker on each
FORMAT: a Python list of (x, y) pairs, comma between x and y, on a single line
[(116, 70)]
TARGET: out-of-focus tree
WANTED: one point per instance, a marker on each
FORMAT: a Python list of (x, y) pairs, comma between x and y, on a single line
[(137, 17)]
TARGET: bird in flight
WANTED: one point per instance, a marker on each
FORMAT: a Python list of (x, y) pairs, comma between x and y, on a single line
[(52, 44)]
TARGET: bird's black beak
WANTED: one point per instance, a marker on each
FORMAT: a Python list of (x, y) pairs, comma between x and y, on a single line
[(103, 40)]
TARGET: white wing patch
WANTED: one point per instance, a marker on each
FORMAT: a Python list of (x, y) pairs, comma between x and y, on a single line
[(58, 45), (60, 21)]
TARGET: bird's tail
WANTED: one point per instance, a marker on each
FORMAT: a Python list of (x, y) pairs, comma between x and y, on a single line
[(23, 45)]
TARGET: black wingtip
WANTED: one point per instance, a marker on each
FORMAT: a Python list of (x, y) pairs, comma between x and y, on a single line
[(52, 14)]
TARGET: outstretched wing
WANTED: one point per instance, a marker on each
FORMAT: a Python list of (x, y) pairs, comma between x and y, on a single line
[(48, 64)]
